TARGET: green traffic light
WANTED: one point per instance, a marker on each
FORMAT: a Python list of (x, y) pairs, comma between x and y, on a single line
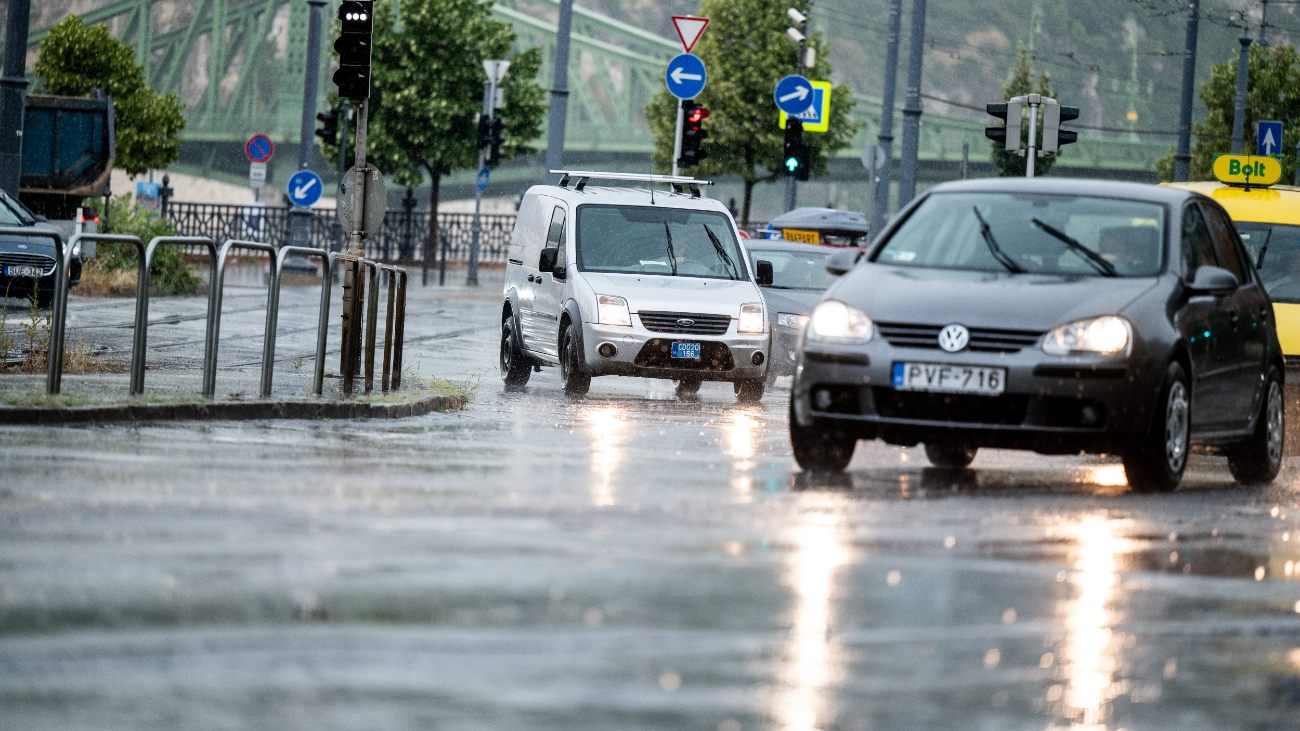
[(792, 164)]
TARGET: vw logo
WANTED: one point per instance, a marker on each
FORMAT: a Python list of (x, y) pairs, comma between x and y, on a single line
[(685, 322), (954, 338)]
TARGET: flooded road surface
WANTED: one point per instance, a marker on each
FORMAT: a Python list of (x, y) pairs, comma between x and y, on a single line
[(630, 562)]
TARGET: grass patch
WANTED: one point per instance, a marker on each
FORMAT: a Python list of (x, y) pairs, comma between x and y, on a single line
[(58, 400), (414, 386)]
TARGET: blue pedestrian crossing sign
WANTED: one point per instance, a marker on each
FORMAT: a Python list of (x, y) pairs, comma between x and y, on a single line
[(1269, 139), (817, 117), (685, 76), (483, 178), (793, 94), (304, 188)]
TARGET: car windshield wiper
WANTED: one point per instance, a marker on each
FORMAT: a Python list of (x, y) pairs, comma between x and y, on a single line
[(722, 253), (994, 249), (1093, 257), (672, 258)]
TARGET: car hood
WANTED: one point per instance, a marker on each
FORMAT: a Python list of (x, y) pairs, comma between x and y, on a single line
[(983, 299), (676, 294), (32, 244), (794, 301)]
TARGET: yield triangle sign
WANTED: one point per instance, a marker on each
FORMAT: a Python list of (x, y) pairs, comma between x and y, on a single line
[(689, 29)]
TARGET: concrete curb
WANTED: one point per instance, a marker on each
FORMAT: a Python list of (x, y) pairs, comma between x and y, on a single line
[(227, 411)]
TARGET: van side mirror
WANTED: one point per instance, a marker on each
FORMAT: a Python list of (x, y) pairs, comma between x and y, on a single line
[(546, 262), (763, 273), (842, 261), (1213, 280)]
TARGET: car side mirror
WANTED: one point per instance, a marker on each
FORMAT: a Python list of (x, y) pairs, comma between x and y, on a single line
[(546, 262), (1213, 280), (842, 261), (763, 273)]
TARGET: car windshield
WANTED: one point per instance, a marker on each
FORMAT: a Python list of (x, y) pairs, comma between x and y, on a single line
[(1280, 269), (13, 213), (657, 240), (795, 269), (1031, 233)]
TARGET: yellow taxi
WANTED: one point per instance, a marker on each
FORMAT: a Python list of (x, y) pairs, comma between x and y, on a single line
[(1268, 219)]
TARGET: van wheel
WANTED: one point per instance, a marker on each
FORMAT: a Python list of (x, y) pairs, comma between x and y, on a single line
[(515, 368), (1257, 460), (950, 455), (575, 382), (749, 390), (820, 449), (688, 388), (1156, 461)]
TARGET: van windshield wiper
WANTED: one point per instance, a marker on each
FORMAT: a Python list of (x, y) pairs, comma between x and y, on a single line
[(672, 258), (1093, 257), (722, 252), (994, 249)]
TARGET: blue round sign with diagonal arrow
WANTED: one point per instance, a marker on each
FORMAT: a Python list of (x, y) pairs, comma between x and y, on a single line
[(685, 76), (304, 188), (794, 94)]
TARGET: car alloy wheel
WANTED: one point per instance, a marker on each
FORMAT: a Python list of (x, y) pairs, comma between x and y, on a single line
[(1276, 425), (1176, 426)]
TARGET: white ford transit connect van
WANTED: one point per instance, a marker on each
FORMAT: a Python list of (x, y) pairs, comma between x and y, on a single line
[(630, 282)]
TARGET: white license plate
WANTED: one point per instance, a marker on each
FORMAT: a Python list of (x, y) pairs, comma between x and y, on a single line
[(20, 271), (942, 378)]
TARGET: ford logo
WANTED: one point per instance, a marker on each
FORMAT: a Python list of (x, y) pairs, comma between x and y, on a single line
[(685, 322)]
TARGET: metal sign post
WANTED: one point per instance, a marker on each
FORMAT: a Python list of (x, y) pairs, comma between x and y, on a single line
[(496, 70), (685, 78)]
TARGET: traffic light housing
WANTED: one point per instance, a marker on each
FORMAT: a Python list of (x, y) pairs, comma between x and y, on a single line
[(794, 160), (353, 46), (1055, 118), (496, 135), (693, 134), (1009, 113), (484, 131), (329, 131)]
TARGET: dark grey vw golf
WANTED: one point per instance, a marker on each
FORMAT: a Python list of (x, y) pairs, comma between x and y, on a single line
[(1052, 315)]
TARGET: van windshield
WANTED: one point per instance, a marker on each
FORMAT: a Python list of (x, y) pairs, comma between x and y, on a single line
[(669, 242)]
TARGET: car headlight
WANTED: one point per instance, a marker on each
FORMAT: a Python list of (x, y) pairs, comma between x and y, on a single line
[(613, 311), (794, 322), (1106, 335), (76, 250), (833, 320), (751, 319)]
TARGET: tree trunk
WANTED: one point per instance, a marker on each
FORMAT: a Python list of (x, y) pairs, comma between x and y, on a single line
[(749, 195), (435, 178)]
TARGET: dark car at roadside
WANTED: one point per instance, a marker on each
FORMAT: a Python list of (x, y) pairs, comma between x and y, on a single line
[(1051, 315), (797, 279), (27, 262)]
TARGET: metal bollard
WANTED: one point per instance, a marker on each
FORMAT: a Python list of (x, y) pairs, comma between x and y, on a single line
[(214, 326), (372, 313), (139, 346), (273, 316), (388, 327)]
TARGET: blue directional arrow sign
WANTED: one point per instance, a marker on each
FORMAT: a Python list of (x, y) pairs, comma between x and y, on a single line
[(685, 76), (1269, 139), (483, 178), (794, 94), (304, 188)]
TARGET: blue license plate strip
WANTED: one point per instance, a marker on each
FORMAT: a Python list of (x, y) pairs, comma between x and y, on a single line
[(686, 350)]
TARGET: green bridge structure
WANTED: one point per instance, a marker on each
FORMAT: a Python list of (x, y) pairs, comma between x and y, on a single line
[(239, 66)]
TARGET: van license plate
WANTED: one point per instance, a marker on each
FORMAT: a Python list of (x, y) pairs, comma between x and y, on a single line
[(20, 271), (942, 378), (686, 350)]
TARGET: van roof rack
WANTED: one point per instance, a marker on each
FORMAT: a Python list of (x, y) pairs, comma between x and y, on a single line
[(677, 181)]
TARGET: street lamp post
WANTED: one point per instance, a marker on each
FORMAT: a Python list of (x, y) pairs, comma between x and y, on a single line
[(1183, 157), (886, 136)]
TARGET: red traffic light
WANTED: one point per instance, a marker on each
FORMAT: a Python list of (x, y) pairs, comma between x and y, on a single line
[(697, 115)]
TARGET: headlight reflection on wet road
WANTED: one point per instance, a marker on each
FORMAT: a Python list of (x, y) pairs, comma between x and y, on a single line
[(1088, 654), (606, 427)]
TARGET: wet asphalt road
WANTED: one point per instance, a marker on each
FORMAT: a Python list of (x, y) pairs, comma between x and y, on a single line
[(629, 561)]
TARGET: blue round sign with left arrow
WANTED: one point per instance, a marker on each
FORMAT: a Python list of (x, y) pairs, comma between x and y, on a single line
[(793, 94), (304, 188), (685, 76)]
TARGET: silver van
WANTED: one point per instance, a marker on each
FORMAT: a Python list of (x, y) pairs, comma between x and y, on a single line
[(606, 281)]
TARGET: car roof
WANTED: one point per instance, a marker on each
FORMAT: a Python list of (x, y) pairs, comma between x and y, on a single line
[(780, 245), (607, 195), (1069, 186), (1278, 204), (823, 219)]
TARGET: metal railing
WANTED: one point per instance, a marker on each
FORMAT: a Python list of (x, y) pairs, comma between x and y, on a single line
[(322, 326), (393, 327), (138, 346), (59, 311)]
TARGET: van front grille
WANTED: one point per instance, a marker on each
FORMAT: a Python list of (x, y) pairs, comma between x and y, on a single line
[(686, 323)]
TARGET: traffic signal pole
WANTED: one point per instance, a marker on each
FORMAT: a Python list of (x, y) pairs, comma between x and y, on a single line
[(677, 136), (471, 279), (1031, 155), (1183, 158), (912, 107), (13, 94), (300, 218), (880, 211)]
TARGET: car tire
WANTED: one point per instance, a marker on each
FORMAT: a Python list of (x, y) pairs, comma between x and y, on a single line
[(575, 382), (515, 368), (1257, 460), (818, 448), (950, 455), (688, 388), (1156, 461), (750, 390)]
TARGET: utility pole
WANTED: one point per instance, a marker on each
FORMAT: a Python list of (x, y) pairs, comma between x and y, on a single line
[(912, 107), (886, 136), (345, 111), (300, 218), (13, 94), (1263, 24), (1243, 79), (560, 92), (1183, 158), (800, 37)]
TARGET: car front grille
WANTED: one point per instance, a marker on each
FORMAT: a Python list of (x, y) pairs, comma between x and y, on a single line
[(674, 322), (950, 407), (983, 340), (13, 258)]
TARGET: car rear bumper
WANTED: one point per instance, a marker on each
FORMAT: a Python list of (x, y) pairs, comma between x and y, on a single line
[(640, 352), (1050, 405)]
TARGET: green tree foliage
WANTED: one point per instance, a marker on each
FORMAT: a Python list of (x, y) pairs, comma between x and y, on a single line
[(1271, 94), (427, 91), (1025, 79), (76, 59), (746, 52)]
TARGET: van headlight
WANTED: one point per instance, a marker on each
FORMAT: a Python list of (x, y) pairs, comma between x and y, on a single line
[(76, 250), (751, 319), (1106, 335), (613, 311), (833, 320), (791, 320)]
